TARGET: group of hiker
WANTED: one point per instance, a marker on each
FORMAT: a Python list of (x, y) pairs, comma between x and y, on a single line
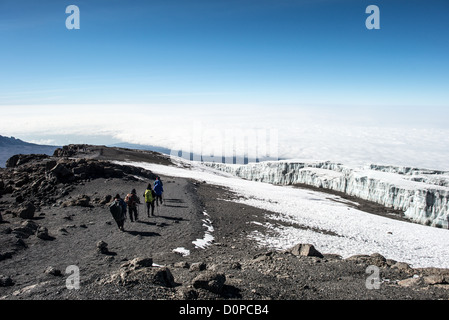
[(119, 206)]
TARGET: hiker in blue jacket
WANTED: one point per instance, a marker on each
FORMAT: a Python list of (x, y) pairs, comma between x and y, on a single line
[(158, 189)]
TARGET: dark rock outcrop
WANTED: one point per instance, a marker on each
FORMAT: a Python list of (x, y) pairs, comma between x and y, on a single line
[(36, 180)]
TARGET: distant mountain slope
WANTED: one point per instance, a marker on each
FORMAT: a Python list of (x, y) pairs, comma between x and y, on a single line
[(141, 147), (11, 146)]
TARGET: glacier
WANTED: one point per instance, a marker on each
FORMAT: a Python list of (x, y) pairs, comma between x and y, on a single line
[(421, 194)]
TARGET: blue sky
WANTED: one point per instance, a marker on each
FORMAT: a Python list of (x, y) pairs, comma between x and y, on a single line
[(307, 68), (278, 52)]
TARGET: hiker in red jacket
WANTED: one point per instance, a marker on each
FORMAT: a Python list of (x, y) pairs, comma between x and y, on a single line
[(132, 200)]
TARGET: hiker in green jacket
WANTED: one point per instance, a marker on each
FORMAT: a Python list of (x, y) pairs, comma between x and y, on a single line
[(149, 196)]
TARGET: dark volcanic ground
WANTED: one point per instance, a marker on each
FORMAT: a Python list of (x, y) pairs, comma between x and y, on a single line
[(232, 268)]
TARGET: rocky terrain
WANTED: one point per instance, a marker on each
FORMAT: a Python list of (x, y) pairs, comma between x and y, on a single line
[(59, 241)]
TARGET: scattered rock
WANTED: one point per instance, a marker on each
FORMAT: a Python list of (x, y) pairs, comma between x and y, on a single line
[(182, 264), (262, 257), (6, 255), (378, 260), (102, 247), (402, 266), (411, 282), (210, 281), (374, 259), (42, 233), (140, 271), (26, 211), (236, 266), (198, 266), (81, 201), (307, 250), (53, 271), (5, 281), (6, 230), (187, 293), (21, 182), (162, 276), (29, 224), (106, 199), (26, 229), (138, 263), (359, 258), (435, 279), (62, 173), (20, 243)]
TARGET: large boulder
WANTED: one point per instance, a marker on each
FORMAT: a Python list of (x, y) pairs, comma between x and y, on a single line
[(26, 229), (209, 280), (26, 211), (102, 247), (12, 161), (307, 250), (5, 281), (61, 172), (138, 263), (42, 233), (82, 201), (141, 271)]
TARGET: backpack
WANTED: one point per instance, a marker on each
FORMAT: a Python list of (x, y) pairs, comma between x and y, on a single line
[(116, 209), (130, 200), (149, 196)]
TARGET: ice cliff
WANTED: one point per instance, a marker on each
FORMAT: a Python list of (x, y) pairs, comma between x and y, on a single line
[(422, 194)]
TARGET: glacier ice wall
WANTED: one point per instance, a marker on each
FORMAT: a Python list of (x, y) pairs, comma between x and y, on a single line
[(422, 194)]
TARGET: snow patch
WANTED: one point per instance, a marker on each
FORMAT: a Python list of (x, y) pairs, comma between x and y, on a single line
[(182, 251), (208, 238)]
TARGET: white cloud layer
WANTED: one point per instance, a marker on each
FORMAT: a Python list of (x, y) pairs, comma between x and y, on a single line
[(343, 135)]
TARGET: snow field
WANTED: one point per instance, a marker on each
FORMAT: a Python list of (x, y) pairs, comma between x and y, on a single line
[(313, 217)]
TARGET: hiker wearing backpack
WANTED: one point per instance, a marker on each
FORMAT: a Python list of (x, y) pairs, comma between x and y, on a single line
[(132, 200), (118, 210), (158, 189), (149, 196)]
